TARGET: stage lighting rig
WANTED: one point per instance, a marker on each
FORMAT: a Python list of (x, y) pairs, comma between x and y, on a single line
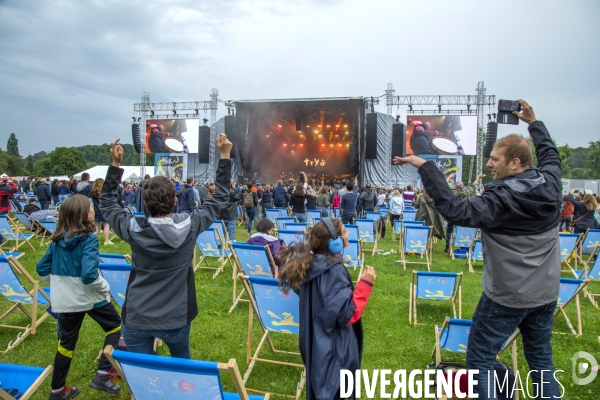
[(133, 118)]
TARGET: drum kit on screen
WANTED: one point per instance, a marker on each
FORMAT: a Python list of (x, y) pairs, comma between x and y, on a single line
[(444, 146), (175, 145)]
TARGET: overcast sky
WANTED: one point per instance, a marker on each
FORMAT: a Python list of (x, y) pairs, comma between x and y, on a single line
[(71, 70)]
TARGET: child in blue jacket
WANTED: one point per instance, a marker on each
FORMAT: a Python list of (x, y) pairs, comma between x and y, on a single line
[(76, 289)]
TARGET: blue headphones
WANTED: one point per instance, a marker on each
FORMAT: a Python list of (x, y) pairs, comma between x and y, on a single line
[(336, 244)]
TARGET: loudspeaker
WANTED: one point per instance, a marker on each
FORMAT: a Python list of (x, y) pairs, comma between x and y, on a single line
[(398, 140), (490, 138), (371, 137), (203, 144), (230, 128), (353, 155), (135, 135), (298, 123)]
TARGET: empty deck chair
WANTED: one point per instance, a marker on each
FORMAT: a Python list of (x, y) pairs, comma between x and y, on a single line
[(13, 290), (283, 212), (409, 214), (352, 231), (296, 226), (114, 258), (251, 260), (567, 243), (47, 227), (22, 378), (399, 227), (475, 253), (569, 290), (281, 221), (151, 377), (592, 274), (272, 214), (10, 236), (376, 217), (367, 232), (462, 236), (438, 286), (416, 240), (311, 215), (23, 220), (291, 237), (206, 242), (117, 276), (276, 313), (353, 256), (588, 244)]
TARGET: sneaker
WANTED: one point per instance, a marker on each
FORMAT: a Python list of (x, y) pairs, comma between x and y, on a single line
[(65, 393), (108, 243), (103, 383)]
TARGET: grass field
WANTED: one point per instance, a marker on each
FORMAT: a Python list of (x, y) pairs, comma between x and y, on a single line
[(390, 341)]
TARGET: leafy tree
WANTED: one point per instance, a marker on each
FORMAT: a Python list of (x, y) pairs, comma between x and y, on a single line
[(12, 146), (14, 165), (29, 165), (578, 158), (593, 159), (565, 153), (65, 161), (579, 173)]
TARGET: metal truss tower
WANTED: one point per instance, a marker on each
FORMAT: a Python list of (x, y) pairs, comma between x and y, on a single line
[(145, 107), (389, 98), (214, 104), (481, 104)]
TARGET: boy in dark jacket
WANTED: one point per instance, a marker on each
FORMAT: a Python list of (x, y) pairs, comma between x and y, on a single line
[(264, 236), (187, 203), (42, 191), (161, 294)]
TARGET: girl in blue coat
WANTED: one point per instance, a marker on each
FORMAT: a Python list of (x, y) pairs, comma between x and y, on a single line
[(331, 335)]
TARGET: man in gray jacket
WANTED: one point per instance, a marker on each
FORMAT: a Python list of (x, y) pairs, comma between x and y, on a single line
[(518, 216), (161, 295)]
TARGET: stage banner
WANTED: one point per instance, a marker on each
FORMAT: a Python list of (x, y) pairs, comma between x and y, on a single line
[(443, 135), (171, 165), (171, 136), (447, 165)]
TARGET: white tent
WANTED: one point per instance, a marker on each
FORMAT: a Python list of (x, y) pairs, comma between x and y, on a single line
[(132, 172)]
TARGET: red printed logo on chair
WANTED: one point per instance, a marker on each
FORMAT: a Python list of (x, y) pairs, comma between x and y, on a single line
[(186, 386)]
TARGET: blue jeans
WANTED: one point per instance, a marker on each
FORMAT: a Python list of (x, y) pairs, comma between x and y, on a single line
[(142, 341), (493, 324), (45, 205), (324, 211), (250, 212), (230, 226), (62, 198), (301, 217)]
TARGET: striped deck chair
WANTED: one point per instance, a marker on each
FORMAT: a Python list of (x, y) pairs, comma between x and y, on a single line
[(251, 260), (151, 377), (353, 256), (12, 290), (10, 236), (206, 242), (399, 227), (23, 220), (281, 221), (588, 244), (22, 378), (220, 226), (409, 215), (416, 240), (591, 274), (106, 258), (276, 313), (367, 232), (475, 253), (311, 215), (283, 211), (352, 231), (296, 226), (47, 227), (462, 237), (291, 237), (337, 213), (385, 214), (272, 214), (568, 244), (117, 276), (569, 290), (438, 286), (375, 216)]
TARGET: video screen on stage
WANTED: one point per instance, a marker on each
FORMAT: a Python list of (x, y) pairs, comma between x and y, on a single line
[(172, 136), (289, 137), (441, 135)]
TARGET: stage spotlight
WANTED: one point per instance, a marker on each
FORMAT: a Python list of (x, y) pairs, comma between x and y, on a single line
[(410, 107), (301, 145), (345, 126), (331, 145), (316, 131), (348, 145), (346, 133), (279, 126), (319, 126), (397, 118), (323, 145), (133, 118), (308, 126), (337, 126), (329, 126), (320, 135), (340, 145), (285, 145)]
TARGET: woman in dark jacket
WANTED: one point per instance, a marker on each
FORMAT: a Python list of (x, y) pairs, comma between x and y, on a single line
[(584, 213), (267, 199), (297, 202), (330, 334), (311, 199)]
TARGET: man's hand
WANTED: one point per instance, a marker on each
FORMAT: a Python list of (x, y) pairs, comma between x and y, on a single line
[(526, 115), (369, 274), (116, 151), (451, 176), (412, 160), (479, 177), (224, 146)]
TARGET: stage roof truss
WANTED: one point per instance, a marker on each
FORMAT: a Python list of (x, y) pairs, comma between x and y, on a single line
[(456, 100)]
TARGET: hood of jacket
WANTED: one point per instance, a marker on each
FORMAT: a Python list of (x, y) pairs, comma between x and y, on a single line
[(172, 230), (261, 238), (321, 264), (82, 185), (70, 243)]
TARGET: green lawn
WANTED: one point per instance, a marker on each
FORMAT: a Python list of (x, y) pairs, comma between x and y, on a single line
[(390, 342)]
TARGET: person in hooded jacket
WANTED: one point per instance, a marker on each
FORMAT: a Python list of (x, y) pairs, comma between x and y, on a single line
[(331, 334), (267, 200), (229, 214), (367, 199), (7, 189), (128, 196), (42, 192), (263, 237), (161, 292), (84, 187), (279, 195), (583, 218), (187, 202)]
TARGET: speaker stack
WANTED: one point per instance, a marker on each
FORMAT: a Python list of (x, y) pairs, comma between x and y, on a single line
[(398, 140), (490, 138), (135, 135), (231, 132), (203, 144)]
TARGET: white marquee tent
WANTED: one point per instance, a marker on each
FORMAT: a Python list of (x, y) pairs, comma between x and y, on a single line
[(131, 173)]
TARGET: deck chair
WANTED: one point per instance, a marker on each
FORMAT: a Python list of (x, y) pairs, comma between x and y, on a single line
[(117, 276), (207, 243), (375, 216), (384, 212), (588, 244), (409, 215), (291, 237), (475, 253), (399, 227), (311, 215), (47, 227), (151, 377), (569, 290), (296, 226), (10, 236), (416, 240), (114, 258), (462, 236), (353, 256), (352, 231), (220, 226), (435, 286), (22, 378), (251, 260), (283, 212), (272, 214), (337, 213), (367, 232), (568, 243), (23, 220), (592, 274), (276, 313), (12, 290), (281, 221)]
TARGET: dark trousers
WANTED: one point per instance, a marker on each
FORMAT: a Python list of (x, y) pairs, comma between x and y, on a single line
[(449, 230), (69, 325), (45, 204), (348, 218)]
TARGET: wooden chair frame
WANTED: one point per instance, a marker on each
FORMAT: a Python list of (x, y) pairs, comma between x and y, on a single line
[(31, 390), (238, 271), (470, 258), (375, 235), (561, 309), (427, 253), (223, 258), (17, 236), (453, 236), (457, 291)]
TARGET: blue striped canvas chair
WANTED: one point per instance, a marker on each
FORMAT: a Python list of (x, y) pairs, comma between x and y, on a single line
[(399, 227), (352, 231), (475, 253), (296, 226), (367, 232), (281, 221), (353, 257), (409, 214), (593, 275), (22, 378), (11, 237), (416, 240), (139, 214), (206, 242), (251, 260), (273, 214), (569, 290), (375, 216), (588, 245), (117, 276), (133, 208), (220, 226), (23, 220), (568, 243), (152, 377), (107, 258), (311, 215), (337, 213), (283, 211), (439, 286), (291, 237), (462, 236), (277, 313), (13, 291), (47, 228)]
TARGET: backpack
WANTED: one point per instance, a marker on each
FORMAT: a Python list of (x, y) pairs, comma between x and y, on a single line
[(249, 199)]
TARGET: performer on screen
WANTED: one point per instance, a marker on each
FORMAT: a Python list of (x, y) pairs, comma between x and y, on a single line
[(156, 140), (420, 138)]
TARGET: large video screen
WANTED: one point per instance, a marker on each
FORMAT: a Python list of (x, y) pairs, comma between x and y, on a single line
[(441, 135), (172, 136)]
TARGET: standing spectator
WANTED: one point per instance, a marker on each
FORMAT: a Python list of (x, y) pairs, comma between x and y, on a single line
[(229, 213), (101, 223), (396, 206), (42, 191), (323, 202), (348, 204), (297, 202), (7, 189), (139, 200), (408, 196), (583, 218), (84, 187), (367, 199), (128, 196), (311, 199), (187, 202), (63, 191), (335, 203), (566, 215), (55, 192), (267, 199), (381, 198), (250, 203), (279, 195)]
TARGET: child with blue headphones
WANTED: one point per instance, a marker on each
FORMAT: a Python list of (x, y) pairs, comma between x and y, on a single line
[(331, 334)]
